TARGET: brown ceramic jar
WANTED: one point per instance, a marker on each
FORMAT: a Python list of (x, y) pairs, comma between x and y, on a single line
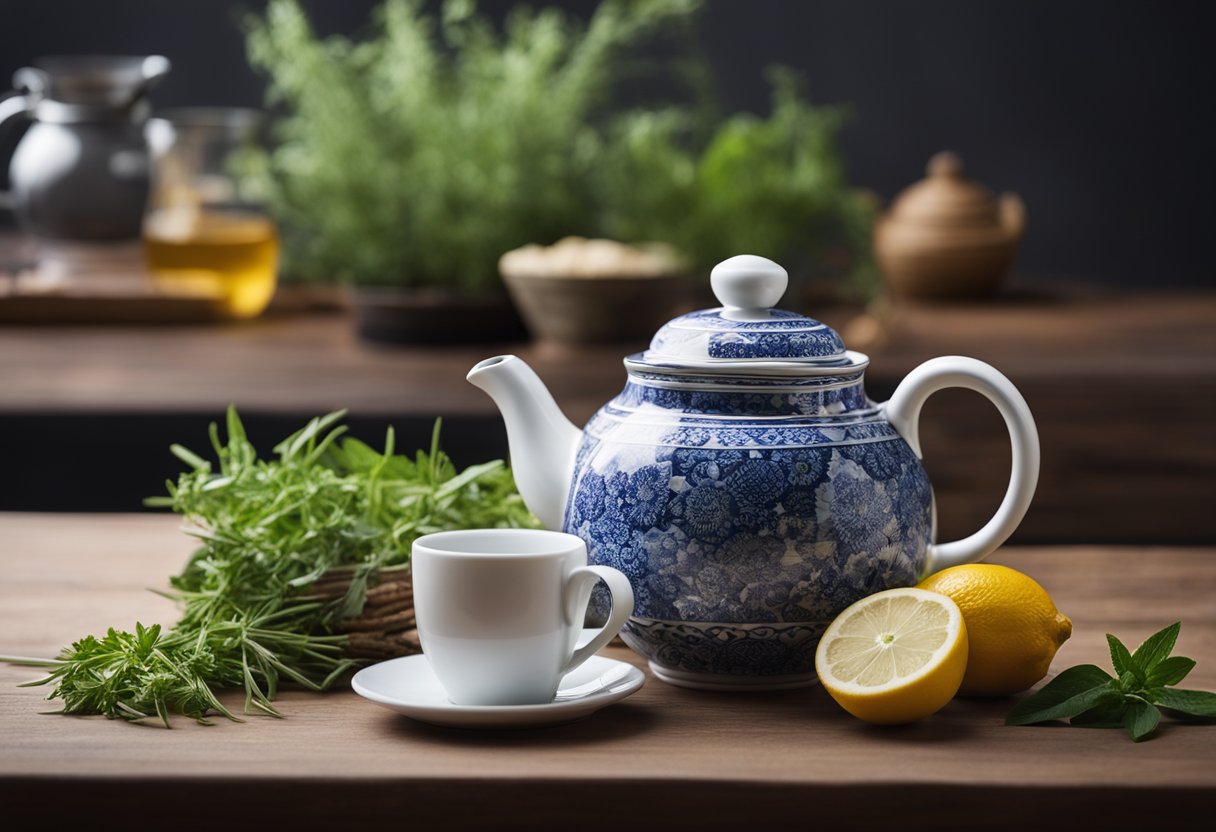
[(947, 236)]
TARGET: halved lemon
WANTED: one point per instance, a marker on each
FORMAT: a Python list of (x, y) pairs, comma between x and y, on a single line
[(894, 657)]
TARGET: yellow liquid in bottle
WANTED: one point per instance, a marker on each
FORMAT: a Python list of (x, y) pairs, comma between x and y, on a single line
[(231, 257)]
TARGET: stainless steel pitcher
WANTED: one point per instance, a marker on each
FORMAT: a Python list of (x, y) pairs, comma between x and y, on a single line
[(81, 171)]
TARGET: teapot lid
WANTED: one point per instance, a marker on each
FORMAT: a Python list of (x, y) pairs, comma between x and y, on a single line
[(93, 80), (745, 335)]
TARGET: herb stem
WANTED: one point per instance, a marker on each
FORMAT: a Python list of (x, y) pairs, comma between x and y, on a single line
[(28, 661)]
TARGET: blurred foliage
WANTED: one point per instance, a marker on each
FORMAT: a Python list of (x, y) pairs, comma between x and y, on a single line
[(421, 153), (772, 186)]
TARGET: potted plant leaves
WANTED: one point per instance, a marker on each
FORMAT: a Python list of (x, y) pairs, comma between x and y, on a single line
[(410, 161), (707, 188), (773, 186)]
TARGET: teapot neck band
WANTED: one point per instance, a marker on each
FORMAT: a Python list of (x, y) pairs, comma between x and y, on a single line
[(830, 398), (767, 385)]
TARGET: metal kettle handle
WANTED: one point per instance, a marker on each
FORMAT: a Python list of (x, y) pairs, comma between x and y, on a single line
[(11, 107), (903, 411)]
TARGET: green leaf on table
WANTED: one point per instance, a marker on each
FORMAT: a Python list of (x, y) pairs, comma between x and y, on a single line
[(1169, 671), (1121, 658), (1089, 697), (1156, 647), (1140, 718), (1107, 714), (1073, 692), (1190, 705)]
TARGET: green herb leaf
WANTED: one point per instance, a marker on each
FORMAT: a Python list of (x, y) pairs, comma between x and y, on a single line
[(1140, 718), (1191, 705), (1156, 647), (190, 458), (1127, 682), (1107, 714), (1073, 692), (1121, 658), (1169, 671)]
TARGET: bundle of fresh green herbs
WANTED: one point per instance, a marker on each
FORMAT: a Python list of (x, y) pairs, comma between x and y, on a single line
[(1089, 697), (268, 530)]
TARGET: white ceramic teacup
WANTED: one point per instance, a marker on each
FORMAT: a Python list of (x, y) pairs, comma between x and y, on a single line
[(499, 611)]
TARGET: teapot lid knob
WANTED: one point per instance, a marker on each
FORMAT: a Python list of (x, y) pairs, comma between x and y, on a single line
[(946, 163), (748, 282)]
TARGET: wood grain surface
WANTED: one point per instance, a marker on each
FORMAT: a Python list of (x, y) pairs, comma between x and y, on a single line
[(665, 758), (313, 363)]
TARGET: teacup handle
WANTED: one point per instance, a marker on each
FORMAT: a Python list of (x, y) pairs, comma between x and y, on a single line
[(903, 411), (578, 587)]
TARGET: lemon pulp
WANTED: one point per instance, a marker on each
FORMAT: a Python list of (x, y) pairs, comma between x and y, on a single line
[(896, 656)]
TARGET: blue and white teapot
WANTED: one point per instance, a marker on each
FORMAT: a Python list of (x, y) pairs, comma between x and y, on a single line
[(746, 484)]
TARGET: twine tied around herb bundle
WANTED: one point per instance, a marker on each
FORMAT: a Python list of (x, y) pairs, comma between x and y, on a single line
[(386, 628)]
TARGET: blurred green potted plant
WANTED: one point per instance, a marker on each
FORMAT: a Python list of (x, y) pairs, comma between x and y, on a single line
[(409, 161), (773, 186), (708, 188)]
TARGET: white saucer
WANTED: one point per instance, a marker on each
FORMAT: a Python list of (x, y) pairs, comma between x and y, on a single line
[(408, 686)]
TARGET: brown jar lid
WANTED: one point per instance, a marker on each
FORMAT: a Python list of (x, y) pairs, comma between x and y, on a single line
[(946, 197)]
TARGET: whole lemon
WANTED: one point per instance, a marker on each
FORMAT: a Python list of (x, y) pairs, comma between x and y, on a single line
[(1013, 626)]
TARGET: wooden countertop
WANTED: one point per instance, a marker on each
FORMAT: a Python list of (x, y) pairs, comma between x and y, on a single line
[(665, 758), (312, 364)]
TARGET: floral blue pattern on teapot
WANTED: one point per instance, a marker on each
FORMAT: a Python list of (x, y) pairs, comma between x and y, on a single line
[(745, 482)]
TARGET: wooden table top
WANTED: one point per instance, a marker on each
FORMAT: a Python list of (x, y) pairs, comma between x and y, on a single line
[(665, 757)]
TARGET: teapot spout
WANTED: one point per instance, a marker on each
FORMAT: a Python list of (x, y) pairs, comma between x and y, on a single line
[(542, 440)]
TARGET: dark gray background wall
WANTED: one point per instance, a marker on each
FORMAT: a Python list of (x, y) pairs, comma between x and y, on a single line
[(1096, 111)]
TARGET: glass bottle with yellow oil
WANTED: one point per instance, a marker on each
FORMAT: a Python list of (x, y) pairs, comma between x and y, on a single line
[(205, 234)]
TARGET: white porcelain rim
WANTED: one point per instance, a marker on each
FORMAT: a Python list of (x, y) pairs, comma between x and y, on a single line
[(748, 367)]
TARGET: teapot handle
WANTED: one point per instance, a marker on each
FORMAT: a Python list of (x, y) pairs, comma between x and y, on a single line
[(1013, 216), (12, 107), (903, 411)]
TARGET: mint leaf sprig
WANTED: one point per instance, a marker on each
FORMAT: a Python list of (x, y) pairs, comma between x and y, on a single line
[(1089, 697)]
